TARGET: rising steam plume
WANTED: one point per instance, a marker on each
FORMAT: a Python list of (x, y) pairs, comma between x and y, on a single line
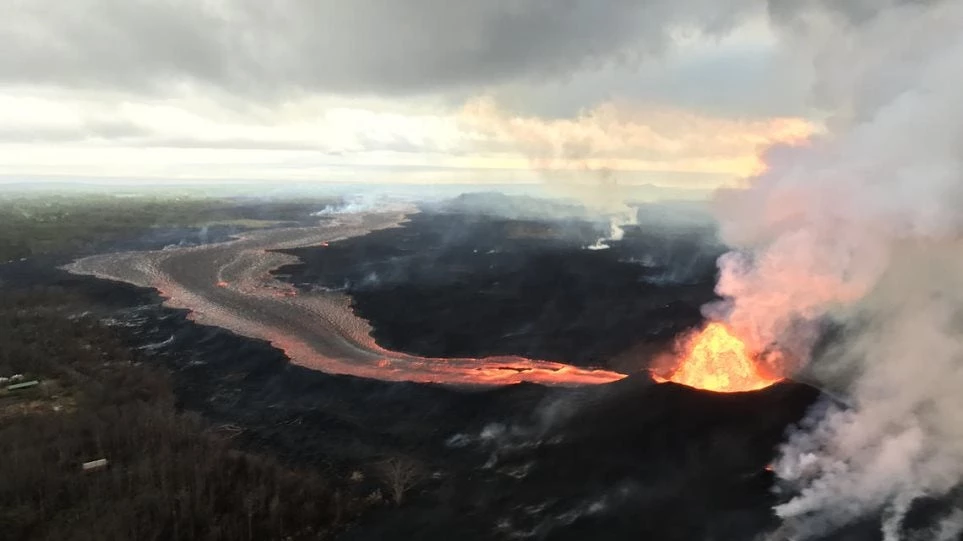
[(862, 225)]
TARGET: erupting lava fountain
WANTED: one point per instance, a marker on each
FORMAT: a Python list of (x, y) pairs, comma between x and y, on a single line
[(717, 360)]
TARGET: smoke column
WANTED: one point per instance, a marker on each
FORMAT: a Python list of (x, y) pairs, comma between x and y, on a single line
[(863, 225)]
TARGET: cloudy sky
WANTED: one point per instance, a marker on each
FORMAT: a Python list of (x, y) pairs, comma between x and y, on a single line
[(673, 93)]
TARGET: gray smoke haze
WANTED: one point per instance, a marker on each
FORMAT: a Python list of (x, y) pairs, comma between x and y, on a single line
[(862, 225)]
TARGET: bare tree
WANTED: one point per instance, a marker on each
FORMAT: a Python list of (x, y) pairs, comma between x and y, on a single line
[(399, 474)]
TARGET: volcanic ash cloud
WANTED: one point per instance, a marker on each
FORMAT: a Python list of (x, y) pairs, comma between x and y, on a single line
[(862, 225)]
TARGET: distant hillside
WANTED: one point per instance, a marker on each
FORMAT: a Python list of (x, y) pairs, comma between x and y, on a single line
[(675, 213), (512, 206)]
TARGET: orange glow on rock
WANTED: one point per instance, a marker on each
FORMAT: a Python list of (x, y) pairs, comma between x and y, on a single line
[(717, 360)]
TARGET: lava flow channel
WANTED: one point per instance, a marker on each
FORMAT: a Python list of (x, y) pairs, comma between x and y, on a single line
[(229, 285), (715, 359)]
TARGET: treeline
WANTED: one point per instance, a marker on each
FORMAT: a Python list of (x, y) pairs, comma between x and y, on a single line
[(168, 474)]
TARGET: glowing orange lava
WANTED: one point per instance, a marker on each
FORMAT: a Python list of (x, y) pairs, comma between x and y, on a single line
[(717, 360)]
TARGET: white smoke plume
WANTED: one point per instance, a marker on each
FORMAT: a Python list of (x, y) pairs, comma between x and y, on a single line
[(592, 158), (617, 223), (365, 202), (863, 225)]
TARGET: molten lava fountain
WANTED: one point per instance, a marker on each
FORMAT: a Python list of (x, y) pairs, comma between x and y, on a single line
[(717, 360)]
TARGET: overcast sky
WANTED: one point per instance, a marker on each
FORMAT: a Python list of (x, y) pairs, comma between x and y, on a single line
[(681, 93)]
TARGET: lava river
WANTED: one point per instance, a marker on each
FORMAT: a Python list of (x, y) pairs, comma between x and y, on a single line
[(229, 285)]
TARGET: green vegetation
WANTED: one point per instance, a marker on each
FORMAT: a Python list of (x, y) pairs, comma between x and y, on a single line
[(168, 475), (55, 224)]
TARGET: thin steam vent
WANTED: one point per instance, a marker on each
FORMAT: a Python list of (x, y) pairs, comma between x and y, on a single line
[(717, 360)]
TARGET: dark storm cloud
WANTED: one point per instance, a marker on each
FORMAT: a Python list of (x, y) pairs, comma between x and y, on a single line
[(350, 46), (355, 46)]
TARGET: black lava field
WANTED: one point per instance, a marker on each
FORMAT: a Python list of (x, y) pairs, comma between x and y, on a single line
[(449, 285), (627, 460)]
